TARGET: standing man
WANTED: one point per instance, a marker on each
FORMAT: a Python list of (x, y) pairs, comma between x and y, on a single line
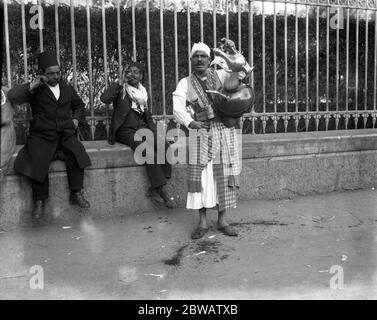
[(213, 170), (56, 113)]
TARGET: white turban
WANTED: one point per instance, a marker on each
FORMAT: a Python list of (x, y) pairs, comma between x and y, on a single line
[(200, 46)]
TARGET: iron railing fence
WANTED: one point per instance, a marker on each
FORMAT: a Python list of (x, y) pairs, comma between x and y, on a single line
[(315, 60)]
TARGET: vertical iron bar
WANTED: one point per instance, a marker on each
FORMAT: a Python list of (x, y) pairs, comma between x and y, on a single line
[(347, 56), (24, 45), (239, 26), (286, 117), (201, 20), (375, 61), (264, 117), (188, 36), (317, 61), (251, 55), (162, 57), (286, 58), (226, 19), (307, 58), (263, 60), (176, 44), (251, 42), (274, 53), (337, 63), (104, 43), (366, 60), (275, 116), (40, 25), (149, 55), (7, 48), (105, 61), (73, 43), (296, 59), (327, 58), (374, 115), (317, 118), (57, 30), (357, 61), (133, 30), (119, 41), (214, 23), (90, 70)]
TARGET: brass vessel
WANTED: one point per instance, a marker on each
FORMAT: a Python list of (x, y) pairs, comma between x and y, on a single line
[(234, 98)]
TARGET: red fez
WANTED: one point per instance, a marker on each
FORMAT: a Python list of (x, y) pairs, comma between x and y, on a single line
[(47, 59)]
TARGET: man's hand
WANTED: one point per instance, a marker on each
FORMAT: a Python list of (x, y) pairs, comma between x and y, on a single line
[(38, 81), (199, 125), (228, 45), (76, 122), (122, 78)]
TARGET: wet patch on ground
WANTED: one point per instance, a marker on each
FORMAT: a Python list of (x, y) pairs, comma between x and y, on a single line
[(200, 251), (207, 251), (260, 230), (260, 222), (175, 260), (209, 246), (148, 229)]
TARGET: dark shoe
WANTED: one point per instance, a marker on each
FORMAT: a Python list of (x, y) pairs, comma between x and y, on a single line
[(38, 210), (168, 199), (155, 196), (228, 231), (169, 203), (78, 198), (198, 233)]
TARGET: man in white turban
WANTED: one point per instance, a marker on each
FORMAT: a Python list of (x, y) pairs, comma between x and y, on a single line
[(213, 170)]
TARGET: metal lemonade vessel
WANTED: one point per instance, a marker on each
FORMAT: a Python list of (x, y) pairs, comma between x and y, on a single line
[(234, 98)]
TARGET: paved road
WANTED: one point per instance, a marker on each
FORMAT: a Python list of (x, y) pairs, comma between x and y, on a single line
[(315, 247)]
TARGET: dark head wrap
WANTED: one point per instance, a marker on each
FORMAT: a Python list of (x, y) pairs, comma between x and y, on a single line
[(136, 64)]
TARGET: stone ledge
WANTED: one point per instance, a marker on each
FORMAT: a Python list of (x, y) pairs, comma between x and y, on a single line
[(321, 142), (104, 155), (274, 166)]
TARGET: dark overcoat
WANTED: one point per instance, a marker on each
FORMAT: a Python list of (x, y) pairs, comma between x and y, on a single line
[(122, 107), (8, 133), (49, 118)]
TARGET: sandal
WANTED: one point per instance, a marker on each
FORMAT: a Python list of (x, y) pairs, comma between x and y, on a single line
[(198, 233), (228, 231)]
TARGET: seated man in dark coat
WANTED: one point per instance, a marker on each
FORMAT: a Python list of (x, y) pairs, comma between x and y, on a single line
[(129, 98), (56, 112), (8, 132)]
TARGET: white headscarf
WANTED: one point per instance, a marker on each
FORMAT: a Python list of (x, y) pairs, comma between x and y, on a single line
[(200, 46)]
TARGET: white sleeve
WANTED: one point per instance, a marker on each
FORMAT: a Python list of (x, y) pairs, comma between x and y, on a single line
[(221, 74), (179, 103)]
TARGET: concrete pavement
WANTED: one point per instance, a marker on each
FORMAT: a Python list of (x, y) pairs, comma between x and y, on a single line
[(314, 247)]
